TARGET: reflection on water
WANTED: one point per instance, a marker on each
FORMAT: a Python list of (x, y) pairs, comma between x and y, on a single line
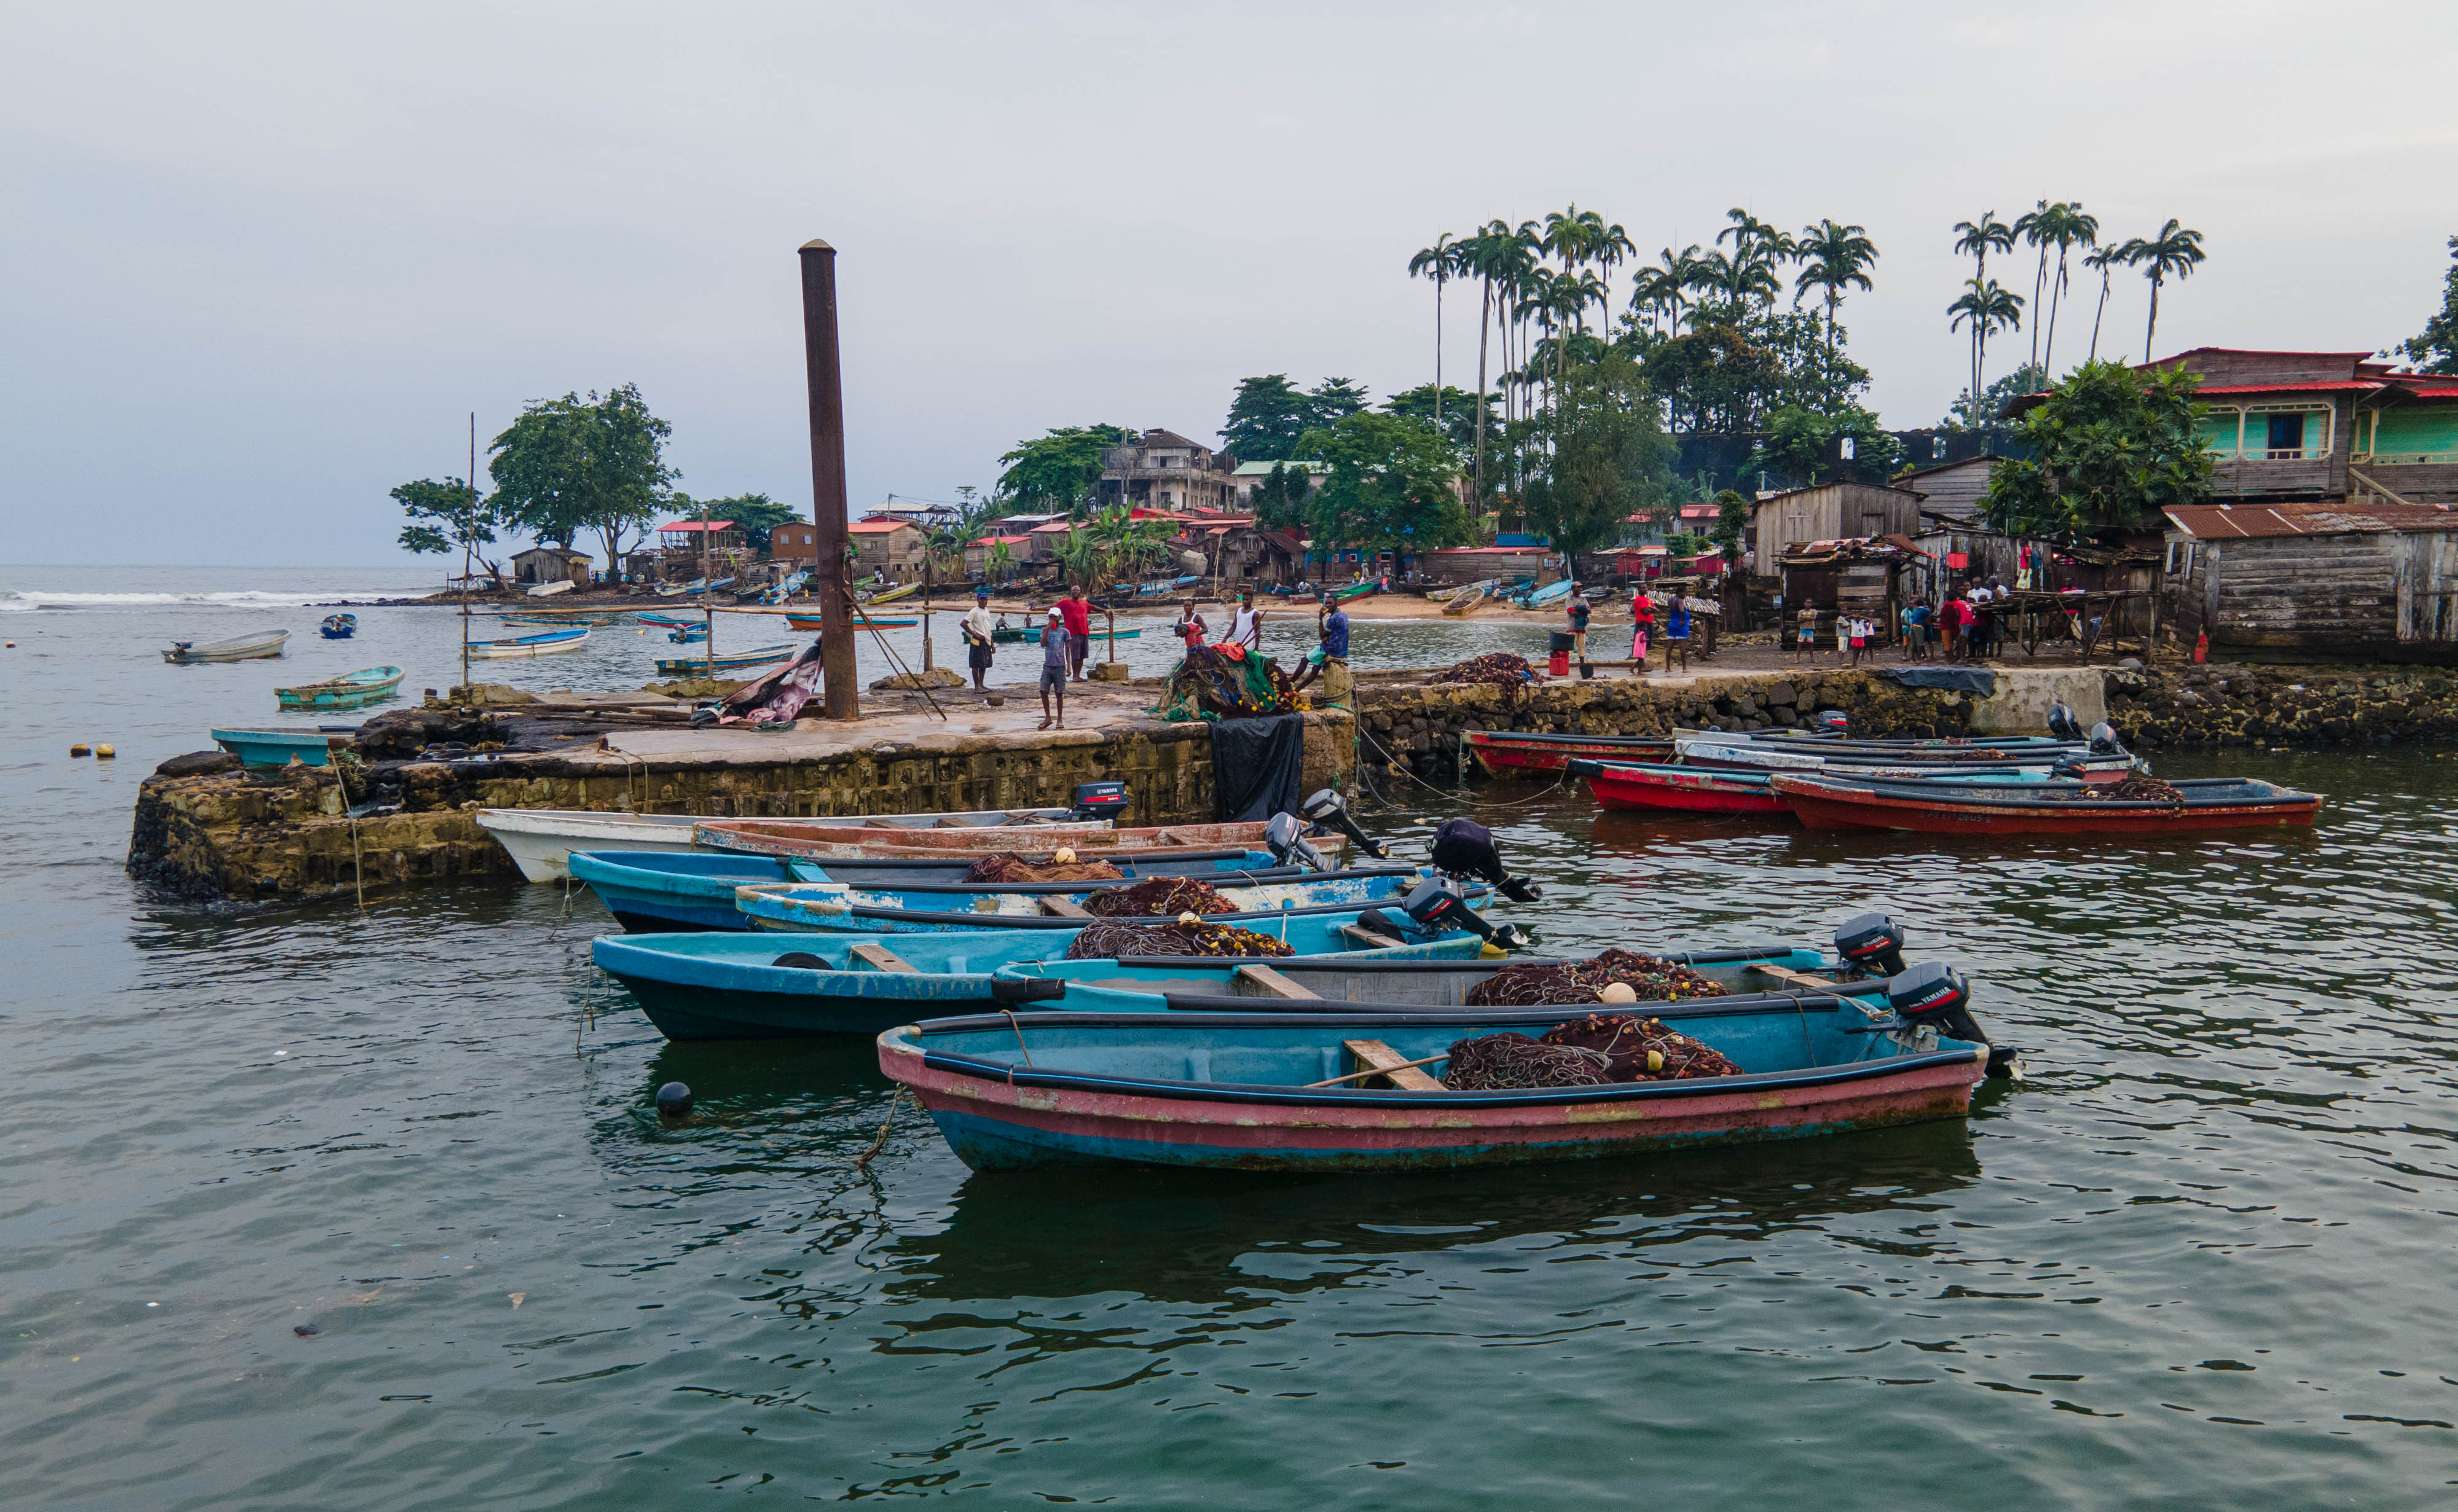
[(2197, 1262)]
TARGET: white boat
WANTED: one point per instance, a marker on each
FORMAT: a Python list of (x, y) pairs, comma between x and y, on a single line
[(561, 584), (237, 648), (541, 840), (551, 641)]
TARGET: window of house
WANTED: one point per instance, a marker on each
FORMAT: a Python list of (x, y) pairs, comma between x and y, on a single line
[(2286, 436)]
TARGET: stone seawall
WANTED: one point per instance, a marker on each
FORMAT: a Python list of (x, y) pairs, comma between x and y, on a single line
[(2169, 707)]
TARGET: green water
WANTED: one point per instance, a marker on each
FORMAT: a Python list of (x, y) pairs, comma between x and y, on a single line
[(2201, 1260)]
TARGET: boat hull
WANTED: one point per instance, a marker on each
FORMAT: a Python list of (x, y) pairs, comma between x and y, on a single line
[(240, 648), (1503, 753), (798, 907), (1686, 790), (545, 644), (342, 693), (270, 750), (1840, 805), (813, 838)]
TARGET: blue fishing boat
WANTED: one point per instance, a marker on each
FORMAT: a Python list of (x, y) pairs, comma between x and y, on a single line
[(725, 661), (661, 891), (834, 906), (702, 986), (540, 644), (271, 750), (348, 692), (786, 588), (687, 634), (1550, 593), (339, 626)]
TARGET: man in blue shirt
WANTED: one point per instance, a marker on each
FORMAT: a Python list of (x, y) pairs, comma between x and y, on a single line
[(1329, 662)]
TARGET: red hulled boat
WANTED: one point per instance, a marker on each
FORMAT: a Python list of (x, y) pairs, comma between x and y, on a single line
[(1508, 753), (2040, 808)]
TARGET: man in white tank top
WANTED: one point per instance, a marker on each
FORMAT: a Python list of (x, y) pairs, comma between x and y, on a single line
[(1246, 624)]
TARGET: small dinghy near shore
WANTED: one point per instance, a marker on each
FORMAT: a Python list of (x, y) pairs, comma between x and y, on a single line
[(541, 645), (348, 692), (978, 834), (237, 648)]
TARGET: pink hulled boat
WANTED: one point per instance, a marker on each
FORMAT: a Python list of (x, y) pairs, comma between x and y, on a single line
[(1688, 790), (1508, 753), (1246, 1090), (890, 837)]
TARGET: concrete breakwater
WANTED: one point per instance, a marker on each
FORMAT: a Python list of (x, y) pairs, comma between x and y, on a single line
[(2174, 707)]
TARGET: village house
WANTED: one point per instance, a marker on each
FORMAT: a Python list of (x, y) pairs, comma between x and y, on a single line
[(893, 546), (549, 562), (2320, 426), (1831, 511), (978, 554), (1951, 491), (1163, 469), (2366, 580), (798, 545), (686, 535)]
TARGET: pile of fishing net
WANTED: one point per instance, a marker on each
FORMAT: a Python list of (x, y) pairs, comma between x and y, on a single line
[(1530, 985), (1109, 938), (1158, 898), (1595, 1051), (1006, 866), (1226, 682), (1511, 673), (2139, 787)]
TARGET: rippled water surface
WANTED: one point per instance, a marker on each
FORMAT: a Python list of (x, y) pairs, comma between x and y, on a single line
[(2202, 1259)]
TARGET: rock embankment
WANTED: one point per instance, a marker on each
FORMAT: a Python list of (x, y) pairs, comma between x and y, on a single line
[(2171, 707)]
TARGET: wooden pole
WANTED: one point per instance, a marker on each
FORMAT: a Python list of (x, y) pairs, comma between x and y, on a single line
[(826, 380)]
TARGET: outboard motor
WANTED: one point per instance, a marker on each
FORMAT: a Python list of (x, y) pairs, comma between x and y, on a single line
[(1285, 837), (1873, 943), (1832, 721), (2063, 724), (1466, 848), (1934, 996), (2104, 740), (1327, 810), (1437, 906), (1101, 801)]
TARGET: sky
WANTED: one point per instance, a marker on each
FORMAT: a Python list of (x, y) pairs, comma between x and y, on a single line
[(259, 264)]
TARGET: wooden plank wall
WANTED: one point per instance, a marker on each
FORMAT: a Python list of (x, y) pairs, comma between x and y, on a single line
[(2328, 592)]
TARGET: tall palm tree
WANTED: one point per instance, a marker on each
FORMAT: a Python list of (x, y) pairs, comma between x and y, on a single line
[(1438, 263), (1483, 254), (1986, 309), (1982, 236), (1833, 257), (2105, 260), (2075, 229), (1759, 249), (2037, 227), (2174, 252)]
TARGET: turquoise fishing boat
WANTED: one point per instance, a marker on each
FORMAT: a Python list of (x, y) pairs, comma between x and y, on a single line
[(348, 692), (834, 907), (710, 666), (271, 750), (704, 987)]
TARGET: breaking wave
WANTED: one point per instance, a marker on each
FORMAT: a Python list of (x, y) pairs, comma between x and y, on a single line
[(34, 598)]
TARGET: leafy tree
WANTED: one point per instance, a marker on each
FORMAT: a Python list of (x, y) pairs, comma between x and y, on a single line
[(757, 514), (1057, 473), (2436, 349), (1332, 401), (1281, 499), (1990, 409), (1606, 458), (2173, 253), (1732, 519), (1456, 419), (1266, 417), (1805, 446), (572, 464), (448, 516), (1388, 485), (2111, 447)]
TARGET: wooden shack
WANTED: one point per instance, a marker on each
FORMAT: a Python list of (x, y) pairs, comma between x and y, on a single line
[(1952, 490), (552, 564), (2376, 581), (1831, 512)]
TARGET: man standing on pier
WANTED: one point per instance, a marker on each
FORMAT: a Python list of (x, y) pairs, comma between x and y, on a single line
[(976, 629), (1056, 650)]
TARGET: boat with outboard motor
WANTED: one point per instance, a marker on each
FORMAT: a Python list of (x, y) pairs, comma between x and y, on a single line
[(237, 648), (1721, 790), (1833, 801), (540, 644), (349, 691), (838, 907), (541, 840)]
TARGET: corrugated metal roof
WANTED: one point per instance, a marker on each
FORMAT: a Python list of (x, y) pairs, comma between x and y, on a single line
[(2309, 387), (2218, 522)]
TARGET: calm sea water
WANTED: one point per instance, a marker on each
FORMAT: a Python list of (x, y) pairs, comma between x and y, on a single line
[(2200, 1261)]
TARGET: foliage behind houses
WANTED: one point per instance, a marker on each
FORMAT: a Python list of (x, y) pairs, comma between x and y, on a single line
[(2111, 447)]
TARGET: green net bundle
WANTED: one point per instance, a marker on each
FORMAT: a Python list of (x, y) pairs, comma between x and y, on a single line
[(1158, 898), (1529, 986), (1212, 684), (1109, 939), (1598, 1050), (1006, 866)]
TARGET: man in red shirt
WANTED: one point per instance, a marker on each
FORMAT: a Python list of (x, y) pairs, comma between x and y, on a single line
[(1075, 612)]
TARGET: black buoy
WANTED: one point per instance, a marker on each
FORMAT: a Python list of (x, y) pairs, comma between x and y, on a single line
[(305, 1330), (674, 1100)]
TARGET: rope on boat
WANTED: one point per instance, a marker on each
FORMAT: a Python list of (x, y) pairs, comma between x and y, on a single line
[(862, 1161)]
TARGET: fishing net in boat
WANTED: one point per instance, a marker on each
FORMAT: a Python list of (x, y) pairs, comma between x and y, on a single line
[(2139, 787), (1500, 668), (1107, 938), (1653, 978), (1595, 1051), (1157, 898), (1006, 866)]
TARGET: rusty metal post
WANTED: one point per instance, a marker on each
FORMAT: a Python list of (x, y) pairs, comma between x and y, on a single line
[(828, 479)]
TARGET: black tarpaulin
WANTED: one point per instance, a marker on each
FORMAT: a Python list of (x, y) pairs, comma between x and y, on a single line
[(1953, 679), (1258, 765)]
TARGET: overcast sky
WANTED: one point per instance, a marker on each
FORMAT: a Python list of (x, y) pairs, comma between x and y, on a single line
[(257, 265)]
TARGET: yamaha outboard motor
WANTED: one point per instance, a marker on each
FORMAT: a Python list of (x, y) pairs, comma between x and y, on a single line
[(1100, 801), (1327, 810), (2063, 724), (1873, 943), (1934, 996), (1832, 721), (1437, 906), (1285, 837), (2104, 740), (1466, 848)]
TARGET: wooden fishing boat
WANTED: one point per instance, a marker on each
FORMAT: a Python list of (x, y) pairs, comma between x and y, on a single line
[(1244, 1090), (812, 622), (1341, 595), (237, 648), (668, 621), (348, 692), (1394, 982), (545, 644), (785, 588), (1544, 597), (1832, 802), (541, 842), (697, 585), (981, 834), (339, 626), (657, 892), (702, 986), (1705, 751), (710, 666), (835, 907), (270, 750), (1508, 753), (1469, 599), (1722, 790), (687, 634), (892, 595)]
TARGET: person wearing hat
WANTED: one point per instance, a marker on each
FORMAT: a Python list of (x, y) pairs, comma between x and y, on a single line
[(976, 628), (1054, 653)]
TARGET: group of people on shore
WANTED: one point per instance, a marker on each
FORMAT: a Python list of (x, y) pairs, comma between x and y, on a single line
[(1677, 611), (1965, 627), (1067, 642)]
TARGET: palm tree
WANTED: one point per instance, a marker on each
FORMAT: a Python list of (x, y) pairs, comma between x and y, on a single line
[(1833, 257), (2105, 260), (1757, 249), (1668, 287), (1438, 263), (1491, 256), (2074, 229), (2037, 227), (2173, 251), (1986, 309), (1982, 236)]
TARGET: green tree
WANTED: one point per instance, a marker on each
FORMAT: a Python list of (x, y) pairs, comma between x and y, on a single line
[(1990, 409), (1450, 411), (1388, 485), (1057, 473), (1834, 258), (1281, 499), (1266, 417), (448, 516), (1806, 447), (2436, 349), (1986, 309), (2111, 447), (1440, 262), (2173, 253), (2104, 262), (1732, 519), (2071, 228), (1605, 457), (757, 514), (1332, 401), (572, 464)]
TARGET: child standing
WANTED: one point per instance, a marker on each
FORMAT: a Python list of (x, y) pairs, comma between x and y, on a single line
[(1806, 644)]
